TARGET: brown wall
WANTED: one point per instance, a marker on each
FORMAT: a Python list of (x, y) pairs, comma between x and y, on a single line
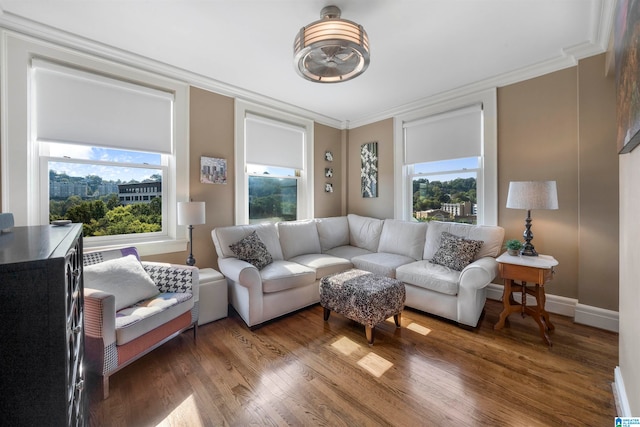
[(561, 127), (328, 139), (211, 134), (381, 206), (598, 272), (538, 140)]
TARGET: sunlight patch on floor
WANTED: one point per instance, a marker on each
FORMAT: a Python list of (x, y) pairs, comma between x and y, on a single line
[(419, 329), (345, 346), (375, 364), (183, 415)]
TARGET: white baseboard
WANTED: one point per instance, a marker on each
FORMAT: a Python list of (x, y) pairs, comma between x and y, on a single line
[(598, 317), (620, 394), (583, 314)]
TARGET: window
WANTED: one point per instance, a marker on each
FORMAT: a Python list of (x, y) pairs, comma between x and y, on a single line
[(111, 192), (61, 103), (274, 165), (446, 161), (445, 190), (273, 194)]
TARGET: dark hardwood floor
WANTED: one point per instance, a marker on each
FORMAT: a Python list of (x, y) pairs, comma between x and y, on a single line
[(300, 371)]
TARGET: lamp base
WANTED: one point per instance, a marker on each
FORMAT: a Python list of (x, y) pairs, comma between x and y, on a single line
[(191, 261), (528, 249)]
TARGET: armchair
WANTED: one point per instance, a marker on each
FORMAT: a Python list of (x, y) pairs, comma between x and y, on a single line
[(116, 336)]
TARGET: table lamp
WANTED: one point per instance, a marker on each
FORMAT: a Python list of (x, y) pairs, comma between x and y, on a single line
[(531, 195), (191, 213)]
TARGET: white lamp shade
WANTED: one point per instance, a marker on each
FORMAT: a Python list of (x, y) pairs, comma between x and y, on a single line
[(191, 213), (531, 195)]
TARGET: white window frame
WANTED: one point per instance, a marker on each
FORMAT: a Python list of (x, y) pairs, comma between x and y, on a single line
[(487, 180), (99, 241), (305, 180), (21, 167)]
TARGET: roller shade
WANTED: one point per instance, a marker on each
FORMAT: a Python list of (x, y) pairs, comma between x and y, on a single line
[(452, 135), (85, 108), (273, 143)]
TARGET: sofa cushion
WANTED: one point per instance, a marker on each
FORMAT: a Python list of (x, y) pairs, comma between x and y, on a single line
[(347, 252), (251, 249), (323, 264), (456, 252), (364, 232), (333, 232), (491, 235), (145, 316), (225, 236), (381, 263), (424, 274), (124, 278), (403, 238), (281, 275), (298, 238)]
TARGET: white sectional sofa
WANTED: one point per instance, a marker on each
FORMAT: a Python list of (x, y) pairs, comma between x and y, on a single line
[(294, 256)]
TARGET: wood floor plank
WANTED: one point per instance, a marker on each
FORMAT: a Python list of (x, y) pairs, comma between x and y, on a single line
[(301, 370)]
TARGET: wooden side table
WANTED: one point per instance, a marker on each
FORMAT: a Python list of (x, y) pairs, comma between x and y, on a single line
[(537, 270)]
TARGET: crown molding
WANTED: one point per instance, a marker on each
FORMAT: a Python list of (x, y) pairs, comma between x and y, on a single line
[(601, 31), (11, 22)]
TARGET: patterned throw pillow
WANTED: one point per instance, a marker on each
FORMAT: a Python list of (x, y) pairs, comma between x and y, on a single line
[(456, 252), (252, 250)]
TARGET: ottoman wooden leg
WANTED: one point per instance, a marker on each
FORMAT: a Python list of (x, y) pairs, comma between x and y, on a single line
[(327, 312), (370, 332), (397, 318)]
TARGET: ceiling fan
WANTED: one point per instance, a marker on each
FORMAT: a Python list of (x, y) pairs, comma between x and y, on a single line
[(332, 49)]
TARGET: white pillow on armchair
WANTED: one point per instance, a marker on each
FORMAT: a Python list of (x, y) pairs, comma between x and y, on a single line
[(125, 278)]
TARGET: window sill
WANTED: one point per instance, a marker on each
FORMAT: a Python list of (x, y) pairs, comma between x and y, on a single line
[(144, 247)]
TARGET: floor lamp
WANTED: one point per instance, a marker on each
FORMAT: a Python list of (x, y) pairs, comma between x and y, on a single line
[(191, 213), (531, 195)]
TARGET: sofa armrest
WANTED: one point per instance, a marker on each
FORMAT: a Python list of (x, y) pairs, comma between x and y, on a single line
[(479, 273), (241, 272), (100, 315), (176, 278)]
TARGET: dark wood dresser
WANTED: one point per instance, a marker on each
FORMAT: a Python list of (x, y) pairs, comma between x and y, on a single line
[(42, 327)]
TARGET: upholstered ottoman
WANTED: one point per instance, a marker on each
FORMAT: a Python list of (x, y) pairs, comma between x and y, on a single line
[(364, 297), (214, 302)]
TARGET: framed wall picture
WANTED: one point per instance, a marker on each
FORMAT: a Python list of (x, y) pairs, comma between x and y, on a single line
[(627, 58), (328, 187), (369, 169), (328, 156), (328, 172), (213, 170)]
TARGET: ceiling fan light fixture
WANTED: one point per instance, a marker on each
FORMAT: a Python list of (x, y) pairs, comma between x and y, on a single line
[(332, 49)]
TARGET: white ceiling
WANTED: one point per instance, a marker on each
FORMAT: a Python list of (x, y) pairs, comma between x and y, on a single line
[(420, 49)]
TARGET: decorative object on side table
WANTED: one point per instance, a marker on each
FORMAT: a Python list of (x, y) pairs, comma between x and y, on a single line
[(531, 195), (191, 213), (6, 222), (513, 247)]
